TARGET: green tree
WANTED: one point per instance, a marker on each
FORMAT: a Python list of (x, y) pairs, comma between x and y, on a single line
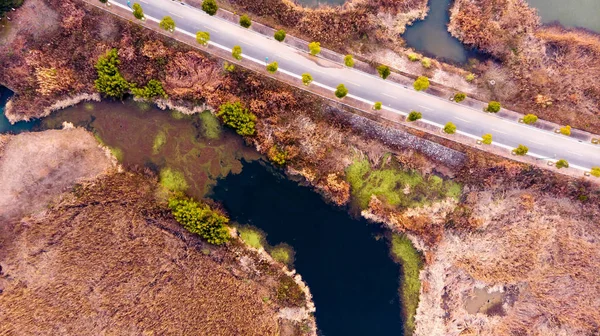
[(384, 71), (530, 119), (377, 106), (237, 117), (413, 57), (458, 97), (493, 107), (277, 156), (426, 63), (167, 23), (245, 21), (314, 48), (595, 171), (200, 219), (210, 7), (414, 116), (349, 61), (486, 139), (450, 128), (520, 150), (341, 91), (421, 83), (202, 37), (272, 67), (110, 81), (153, 89), (138, 12), (306, 79), (566, 130), (236, 52), (279, 35), (562, 163)]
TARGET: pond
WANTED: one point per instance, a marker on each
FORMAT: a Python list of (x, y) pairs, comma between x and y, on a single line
[(345, 262), (572, 13), (431, 36), (5, 126)]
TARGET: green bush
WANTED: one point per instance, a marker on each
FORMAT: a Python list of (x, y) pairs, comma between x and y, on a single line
[(562, 164), (314, 48), (202, 37), (167, 23), (595, 171), (458, 97), (377, 106), (530, 119), (565, 130), (450, 128), (236, 52), (153, 89), (421, 83), (414, 116), (272, 67), (384, 71), (306, 79), (245, 21), (341, 91), (349, 61), (277, 156), (110, 82), (413, 57), (279, 35), (493, 107), (470, 77), (520, 150), (138, 12), (237, 117), (229, 67), (210, 7), (486, 139), (426, 63), (200, 219)]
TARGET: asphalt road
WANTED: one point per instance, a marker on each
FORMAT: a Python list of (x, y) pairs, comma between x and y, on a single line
[(369, 88)]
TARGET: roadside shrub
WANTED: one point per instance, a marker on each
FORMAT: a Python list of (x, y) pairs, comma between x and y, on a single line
[(562, 164), (349, 61), (237, 117), (173, 180), (236, 52), (458, 97), (153, 89), (426, 63), (245, 21), (384, 71), (272, 67), (210, 7), (486, 139), (229, 67), (202, 37), (110, 82), (450, 128), (104, 1), (566, 130), (377, 106), (279, 35), (421, 83), (521, 150), (414, 116), (277, 156), (341, 91), (167, 23), (138, 12), (306, 78), (530, 119), (493, 107), (595, 171), (413, 57), (200, 219), (470, 77), (314, 48)]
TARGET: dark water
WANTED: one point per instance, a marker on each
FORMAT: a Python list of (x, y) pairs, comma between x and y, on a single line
[(571, 13), (5, 126), (431, 36), (353, 280)]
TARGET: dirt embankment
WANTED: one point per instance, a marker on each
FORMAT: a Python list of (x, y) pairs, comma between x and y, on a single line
[(544, 70)]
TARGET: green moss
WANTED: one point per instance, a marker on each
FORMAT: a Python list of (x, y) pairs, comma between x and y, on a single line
[(405, 253), (173, 180), (283, 253), (251, 236), (211, 127), (159, 140), (288, 292), (117, 153)]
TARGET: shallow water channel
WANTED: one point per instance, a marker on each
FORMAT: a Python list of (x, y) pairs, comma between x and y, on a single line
[(346, 262), (5, 126)]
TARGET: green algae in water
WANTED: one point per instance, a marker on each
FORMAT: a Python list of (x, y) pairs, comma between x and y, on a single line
[(283, 253), (210, 125), (252, 236), (159, 140), (173, 180)]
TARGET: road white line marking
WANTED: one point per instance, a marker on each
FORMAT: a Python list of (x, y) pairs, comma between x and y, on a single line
[(353, 83), (575, 153), (495, 130), (179, 16), (246, 42), (385, 94), (142, 1), (463, 120), (425, 107), (207, 27)]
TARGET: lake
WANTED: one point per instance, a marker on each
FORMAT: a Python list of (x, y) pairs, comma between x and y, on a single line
[(571, 13)]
